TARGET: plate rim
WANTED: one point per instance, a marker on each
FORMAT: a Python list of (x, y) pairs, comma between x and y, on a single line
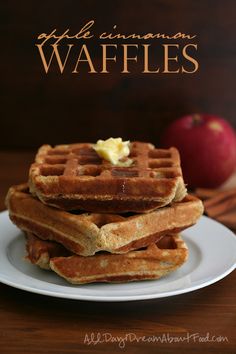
[(118, 298)]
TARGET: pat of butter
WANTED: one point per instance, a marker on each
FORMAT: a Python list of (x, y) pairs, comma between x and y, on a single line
[(113, 150)]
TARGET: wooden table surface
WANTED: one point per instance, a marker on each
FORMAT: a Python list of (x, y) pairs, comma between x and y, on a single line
[(203, 320)]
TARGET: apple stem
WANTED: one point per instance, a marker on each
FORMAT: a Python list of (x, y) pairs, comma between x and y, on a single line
[(197, 120)]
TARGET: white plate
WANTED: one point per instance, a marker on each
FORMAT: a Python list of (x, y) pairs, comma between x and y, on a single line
[(212, 255)]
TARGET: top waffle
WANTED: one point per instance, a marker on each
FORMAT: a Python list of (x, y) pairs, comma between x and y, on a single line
[(75, 177)]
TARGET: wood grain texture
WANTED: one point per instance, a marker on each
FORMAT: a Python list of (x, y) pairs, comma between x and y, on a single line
[(15, 166), (38, 108), (35, 324), (31, 323)]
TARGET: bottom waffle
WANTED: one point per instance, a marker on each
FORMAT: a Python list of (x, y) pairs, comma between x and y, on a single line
[(40, 252), (151, 262)]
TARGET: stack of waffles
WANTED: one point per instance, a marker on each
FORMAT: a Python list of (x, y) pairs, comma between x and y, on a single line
[(90, 221)]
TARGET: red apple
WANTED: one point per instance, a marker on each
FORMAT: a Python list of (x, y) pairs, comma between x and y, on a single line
[(207, 146)]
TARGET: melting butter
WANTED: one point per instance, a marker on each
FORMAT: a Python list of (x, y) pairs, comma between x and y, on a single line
[(113, 150)]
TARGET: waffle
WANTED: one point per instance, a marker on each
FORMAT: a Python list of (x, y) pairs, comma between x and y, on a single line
[(75, 177), (85, 234), (152, 262), (40, 252)]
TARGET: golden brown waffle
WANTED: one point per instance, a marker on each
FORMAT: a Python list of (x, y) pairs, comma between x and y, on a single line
[(75, 177), (151, 262), (40, 252), (86, 234)]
